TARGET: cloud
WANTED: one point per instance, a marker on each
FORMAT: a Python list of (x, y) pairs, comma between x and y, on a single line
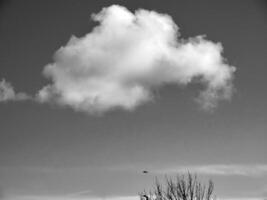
[(223, 170), (7, 93), (125, 58), (36, 197), (80, 193), (242, 198), (129, 55)]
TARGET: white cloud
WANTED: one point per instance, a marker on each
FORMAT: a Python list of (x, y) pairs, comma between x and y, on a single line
[(224, 170), (7, 92), (124, 59), (36, 197), (127, 56), (243, 198)]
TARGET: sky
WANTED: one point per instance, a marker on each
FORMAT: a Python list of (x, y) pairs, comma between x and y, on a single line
[(94, 92)]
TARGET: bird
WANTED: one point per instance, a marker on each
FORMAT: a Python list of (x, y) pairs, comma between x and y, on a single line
[(145, 172)]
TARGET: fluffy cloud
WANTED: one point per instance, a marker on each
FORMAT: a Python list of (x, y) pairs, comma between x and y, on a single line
[(127, 56), (124, 59), (7, 92)]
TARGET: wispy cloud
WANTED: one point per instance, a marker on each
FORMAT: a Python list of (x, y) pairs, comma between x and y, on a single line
[(36, 197), (242, 198), (79, 193), (126, 57), (221, 169)]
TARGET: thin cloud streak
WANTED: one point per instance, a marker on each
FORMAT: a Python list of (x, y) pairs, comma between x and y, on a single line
[(242, 198), (222, 170), (36, 197), (80, 193)]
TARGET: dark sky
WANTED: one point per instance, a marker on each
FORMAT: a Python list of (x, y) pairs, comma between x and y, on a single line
[(51, 151)]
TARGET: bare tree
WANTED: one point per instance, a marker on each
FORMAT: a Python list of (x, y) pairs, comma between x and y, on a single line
[(182, 188)]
